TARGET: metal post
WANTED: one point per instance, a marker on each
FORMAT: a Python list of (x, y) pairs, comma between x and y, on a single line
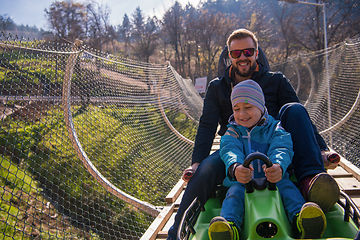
[(327, 73)]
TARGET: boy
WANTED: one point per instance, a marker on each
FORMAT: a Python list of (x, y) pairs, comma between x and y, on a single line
[(252, 129)]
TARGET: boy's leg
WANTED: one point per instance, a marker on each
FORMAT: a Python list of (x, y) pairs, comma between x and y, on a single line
[(227, 226), (307, 160), (209, 174), (233, 206), (307, 219), (291, 197)]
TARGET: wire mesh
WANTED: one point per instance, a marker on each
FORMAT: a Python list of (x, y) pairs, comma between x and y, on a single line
[(134, 123), (118, 109), (340, 93)]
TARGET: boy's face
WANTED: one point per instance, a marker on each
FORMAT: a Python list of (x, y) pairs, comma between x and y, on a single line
[(246, 114)]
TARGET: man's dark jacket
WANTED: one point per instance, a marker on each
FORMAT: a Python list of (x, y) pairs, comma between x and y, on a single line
[(217, 106)]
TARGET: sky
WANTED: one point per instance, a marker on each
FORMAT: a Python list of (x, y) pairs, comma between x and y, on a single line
[(31, 12)]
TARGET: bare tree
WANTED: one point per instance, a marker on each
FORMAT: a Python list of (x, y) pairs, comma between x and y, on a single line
[(284, 47), (145, 37), (343, 20), (67, 20), (190, 32), (173, 26), (98, 27), (211, 40), (307, 26)]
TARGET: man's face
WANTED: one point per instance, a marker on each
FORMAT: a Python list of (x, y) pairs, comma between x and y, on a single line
[(243, 66)]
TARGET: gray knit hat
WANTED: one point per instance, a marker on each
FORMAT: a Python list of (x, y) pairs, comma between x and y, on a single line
[(248, 91)]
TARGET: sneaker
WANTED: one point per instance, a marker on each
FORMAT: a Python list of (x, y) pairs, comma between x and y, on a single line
[(220, 229), (311, 221), (324, 191)]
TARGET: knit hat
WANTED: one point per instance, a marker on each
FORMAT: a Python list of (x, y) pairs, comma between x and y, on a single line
[(248, 91)]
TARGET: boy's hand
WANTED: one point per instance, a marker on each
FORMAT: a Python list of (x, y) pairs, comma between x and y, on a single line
[(243, 174), (189, 172), (273, 173)]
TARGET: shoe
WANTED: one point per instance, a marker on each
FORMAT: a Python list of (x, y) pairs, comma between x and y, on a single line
[(304, 187), (220, 229), (321, 189), (311, 221), (324, 191)]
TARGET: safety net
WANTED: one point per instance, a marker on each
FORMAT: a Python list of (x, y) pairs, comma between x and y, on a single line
[(92, 143)]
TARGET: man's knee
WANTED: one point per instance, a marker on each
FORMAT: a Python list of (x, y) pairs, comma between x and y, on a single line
[(293, 109), (211, 167), (210, 172)]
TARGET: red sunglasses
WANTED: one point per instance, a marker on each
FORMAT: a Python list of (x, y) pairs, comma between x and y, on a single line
[(248, 52)]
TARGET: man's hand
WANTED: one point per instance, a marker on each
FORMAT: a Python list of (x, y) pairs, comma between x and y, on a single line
[(327, 163), (273, 173), (243, 174), (189, 172)]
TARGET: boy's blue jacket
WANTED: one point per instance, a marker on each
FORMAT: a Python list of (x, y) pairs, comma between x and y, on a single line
[(269, 138)]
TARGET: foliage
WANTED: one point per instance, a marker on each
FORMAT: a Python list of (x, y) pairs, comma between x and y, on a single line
[(19, 190), (23, 74), (38, 153)]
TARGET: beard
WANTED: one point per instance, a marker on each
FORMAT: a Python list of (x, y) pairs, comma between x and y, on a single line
[(247, 73)]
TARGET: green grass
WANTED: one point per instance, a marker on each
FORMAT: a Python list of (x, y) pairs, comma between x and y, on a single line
[(41, 153), (18, 191)]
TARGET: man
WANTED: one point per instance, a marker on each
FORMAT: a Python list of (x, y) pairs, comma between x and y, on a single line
[(282, 103), (224, 61)]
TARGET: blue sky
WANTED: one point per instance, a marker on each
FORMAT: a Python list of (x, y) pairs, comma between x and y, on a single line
[(32, 12)]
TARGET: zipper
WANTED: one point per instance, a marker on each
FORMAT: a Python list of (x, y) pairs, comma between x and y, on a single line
[(248, 137)]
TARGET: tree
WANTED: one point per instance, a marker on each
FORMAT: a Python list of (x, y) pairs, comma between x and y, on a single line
[(125, 33), (67, 20), (343, 21), (286, 40), (172, 26), (6, 23), (112, 37), (138, 27), (190, 33), (145, 35), (98, 28), (213, 32), (307, 26)]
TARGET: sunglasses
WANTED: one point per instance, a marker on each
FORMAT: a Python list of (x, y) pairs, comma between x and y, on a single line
[(248, 52)]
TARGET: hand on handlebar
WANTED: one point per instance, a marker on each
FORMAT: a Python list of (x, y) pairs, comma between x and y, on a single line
[(273, 173), (243, 174)]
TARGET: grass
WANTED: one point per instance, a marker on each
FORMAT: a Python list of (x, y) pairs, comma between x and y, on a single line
[(22, 207), (39, 153)]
